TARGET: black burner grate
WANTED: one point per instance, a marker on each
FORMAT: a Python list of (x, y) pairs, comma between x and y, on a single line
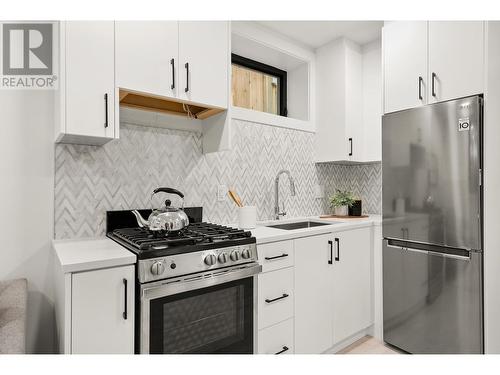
[(143, 239)]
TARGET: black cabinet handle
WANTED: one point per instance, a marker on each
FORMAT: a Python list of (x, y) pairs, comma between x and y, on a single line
[(330, 261), (350, 145), (187, 77), (337, 256), (277, 298), (285, 348), (433, 85), (276, 257), (106, 110), (420, 79), (172, 62), (125, 287)]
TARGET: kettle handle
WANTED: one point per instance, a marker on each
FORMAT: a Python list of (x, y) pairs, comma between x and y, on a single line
[(169, 191)]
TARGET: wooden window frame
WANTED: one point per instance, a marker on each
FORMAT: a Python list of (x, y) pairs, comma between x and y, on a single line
[(269, 70)]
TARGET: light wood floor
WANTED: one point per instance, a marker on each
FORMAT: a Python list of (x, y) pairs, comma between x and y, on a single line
[(368, 345)]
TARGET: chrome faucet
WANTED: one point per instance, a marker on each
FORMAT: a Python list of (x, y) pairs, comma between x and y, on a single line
[(277, 212)]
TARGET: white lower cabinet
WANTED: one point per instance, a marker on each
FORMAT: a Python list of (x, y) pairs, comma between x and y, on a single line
[(276, 255), (275, 302), (275, 298), (333, 288), (277, 339), (352, 283), (102, 311), (313, 295)]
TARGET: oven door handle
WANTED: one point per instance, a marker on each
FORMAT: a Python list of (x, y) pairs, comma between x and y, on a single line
[(169, 287)]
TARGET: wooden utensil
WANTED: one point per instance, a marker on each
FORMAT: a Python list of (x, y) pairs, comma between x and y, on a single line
[(235, 198)]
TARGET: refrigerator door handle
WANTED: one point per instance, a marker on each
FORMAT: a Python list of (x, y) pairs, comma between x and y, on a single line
[(407, 246)]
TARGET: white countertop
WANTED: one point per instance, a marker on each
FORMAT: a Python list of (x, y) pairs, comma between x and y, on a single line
[(78, 255), (90, 254), (265, 234)]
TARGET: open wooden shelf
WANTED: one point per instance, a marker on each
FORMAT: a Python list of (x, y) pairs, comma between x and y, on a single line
[(161, 104)]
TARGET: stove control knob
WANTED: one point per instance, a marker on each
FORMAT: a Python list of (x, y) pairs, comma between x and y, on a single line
[(157, 268), (210, 260), (222, 258), (235, 256), (246, 254)]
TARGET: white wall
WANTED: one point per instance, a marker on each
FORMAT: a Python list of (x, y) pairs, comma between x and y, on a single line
[(27, 204), (491, 191), (372, 98), (297, 93)]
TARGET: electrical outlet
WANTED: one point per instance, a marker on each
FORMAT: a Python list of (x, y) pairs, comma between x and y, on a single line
[(319, 191), (221, 193)]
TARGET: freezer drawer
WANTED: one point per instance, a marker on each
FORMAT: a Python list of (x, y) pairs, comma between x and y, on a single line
[(432, 302)]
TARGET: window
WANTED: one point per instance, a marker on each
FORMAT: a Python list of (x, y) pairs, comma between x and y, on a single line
[(258, 86)]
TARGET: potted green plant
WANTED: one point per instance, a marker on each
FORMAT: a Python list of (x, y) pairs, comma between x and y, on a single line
[(341, 201)]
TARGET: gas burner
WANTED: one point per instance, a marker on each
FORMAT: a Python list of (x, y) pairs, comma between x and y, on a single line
[(196, 237)]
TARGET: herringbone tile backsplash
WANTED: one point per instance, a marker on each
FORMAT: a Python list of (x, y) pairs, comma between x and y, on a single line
[(90, 180)]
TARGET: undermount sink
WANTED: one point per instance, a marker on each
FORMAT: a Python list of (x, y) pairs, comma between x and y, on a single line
[(298, 225)]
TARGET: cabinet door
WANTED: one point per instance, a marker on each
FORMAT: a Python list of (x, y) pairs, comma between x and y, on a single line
[(146, 56), (204, 62), (354, 102), (352, 301), (90, 83), (456, 58), (100, 300), (313, 295), (405, 64)]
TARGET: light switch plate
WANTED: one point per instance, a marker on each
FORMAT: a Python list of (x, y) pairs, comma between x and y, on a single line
[(221, 193)]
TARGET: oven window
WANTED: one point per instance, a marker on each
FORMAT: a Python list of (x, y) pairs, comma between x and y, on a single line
[(217, 319)]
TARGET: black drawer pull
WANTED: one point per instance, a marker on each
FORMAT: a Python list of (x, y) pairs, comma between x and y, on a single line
[(285, 348), (276, 257), (172, 62), (420, 97), (350, 145), (125, 312), (433, 88), (106, 110), (277, 298), (186, 65), (337, 257), (330, 261)]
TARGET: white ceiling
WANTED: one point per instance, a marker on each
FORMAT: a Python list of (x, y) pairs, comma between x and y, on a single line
[(317, 33)]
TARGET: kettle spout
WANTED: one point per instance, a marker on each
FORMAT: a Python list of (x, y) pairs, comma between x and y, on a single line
[(140, 220)]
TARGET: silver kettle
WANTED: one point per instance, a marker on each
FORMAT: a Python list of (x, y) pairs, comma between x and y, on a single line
[(169, 219)]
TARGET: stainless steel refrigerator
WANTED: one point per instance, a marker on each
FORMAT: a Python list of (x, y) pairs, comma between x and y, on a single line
[(432, 227)]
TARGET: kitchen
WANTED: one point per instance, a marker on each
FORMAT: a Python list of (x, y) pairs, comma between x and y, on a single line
[(240, 244)]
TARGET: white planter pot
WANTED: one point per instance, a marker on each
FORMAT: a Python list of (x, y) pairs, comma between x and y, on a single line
[(341, 211)]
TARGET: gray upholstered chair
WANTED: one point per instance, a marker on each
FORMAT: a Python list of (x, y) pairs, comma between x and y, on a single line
[(13, 301)]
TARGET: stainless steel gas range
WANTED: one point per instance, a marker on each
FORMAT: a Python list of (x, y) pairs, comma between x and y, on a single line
[(196, 289)]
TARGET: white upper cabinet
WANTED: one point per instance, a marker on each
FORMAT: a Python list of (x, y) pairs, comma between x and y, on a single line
[(204, 62), (147, 56), (456, 59), (405, 64), (86, 101), (343, 132), (428, 62)]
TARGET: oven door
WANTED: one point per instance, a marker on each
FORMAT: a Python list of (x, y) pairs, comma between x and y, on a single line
[(206, 313)]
